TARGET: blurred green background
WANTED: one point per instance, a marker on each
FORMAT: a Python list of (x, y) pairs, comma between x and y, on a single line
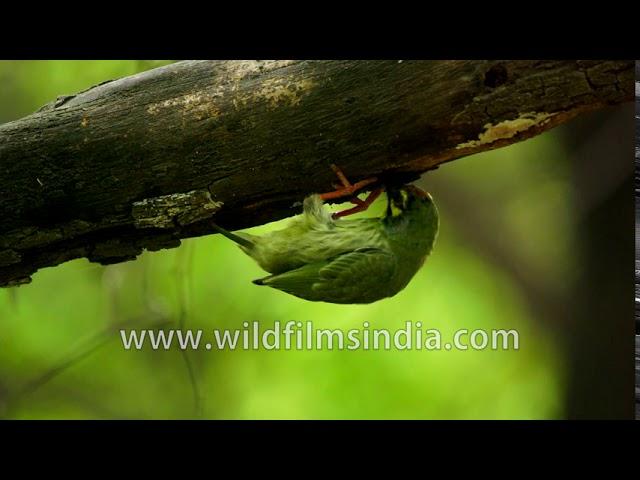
[(515, 251)]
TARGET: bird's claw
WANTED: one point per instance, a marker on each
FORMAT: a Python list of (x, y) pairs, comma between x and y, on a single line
[(347, 189)]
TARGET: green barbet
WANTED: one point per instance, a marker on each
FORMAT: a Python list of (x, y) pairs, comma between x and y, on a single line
[(322, 257)]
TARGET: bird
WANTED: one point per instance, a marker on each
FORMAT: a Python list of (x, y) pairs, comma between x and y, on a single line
[(323, 257)]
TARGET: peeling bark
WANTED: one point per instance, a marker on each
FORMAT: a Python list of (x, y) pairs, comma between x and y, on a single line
[(143, 161)]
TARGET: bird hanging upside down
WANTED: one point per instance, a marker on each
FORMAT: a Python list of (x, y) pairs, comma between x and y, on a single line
[(322, 257)]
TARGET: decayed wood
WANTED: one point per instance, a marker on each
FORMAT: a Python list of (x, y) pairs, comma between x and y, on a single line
[(141, 162)]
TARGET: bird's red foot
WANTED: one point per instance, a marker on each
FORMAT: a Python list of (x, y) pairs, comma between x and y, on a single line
[(361, 205), (347, 189)]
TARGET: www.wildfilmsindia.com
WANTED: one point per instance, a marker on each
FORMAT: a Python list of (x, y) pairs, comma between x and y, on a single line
[(294, 335)]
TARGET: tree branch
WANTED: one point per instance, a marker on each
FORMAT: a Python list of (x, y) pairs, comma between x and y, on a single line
[(141, 162)]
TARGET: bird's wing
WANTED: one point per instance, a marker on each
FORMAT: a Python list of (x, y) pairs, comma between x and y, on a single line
[(354, 277)]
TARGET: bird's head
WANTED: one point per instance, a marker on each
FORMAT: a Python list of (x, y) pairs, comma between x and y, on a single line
[(412, 221), (412, 211), (407, 198)]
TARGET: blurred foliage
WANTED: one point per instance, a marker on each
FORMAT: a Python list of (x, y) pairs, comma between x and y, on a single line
[(520, 196)]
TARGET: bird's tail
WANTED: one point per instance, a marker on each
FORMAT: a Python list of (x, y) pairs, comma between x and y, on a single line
[(243, 242)]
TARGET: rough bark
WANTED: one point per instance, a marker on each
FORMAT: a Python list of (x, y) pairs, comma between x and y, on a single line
[(141, 162), (637, 243)]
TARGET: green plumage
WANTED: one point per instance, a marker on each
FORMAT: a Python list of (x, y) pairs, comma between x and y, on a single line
[(347, 261)]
